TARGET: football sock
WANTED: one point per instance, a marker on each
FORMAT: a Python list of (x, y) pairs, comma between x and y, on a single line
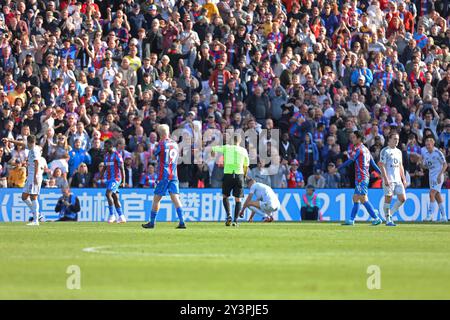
[(111, 210), (35, 210), (387, 211), (431, 209), (180, 215), (119, 211), (442, 210), (29, 204), (226, 205), (397, 205), (355, 209), (237, 209), (370, 210), (153, 217)]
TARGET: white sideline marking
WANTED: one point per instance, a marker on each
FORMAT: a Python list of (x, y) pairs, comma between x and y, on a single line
[(106, 250)]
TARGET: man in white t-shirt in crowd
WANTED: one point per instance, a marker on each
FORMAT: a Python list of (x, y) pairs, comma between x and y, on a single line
[(434, 160), (266, 202)]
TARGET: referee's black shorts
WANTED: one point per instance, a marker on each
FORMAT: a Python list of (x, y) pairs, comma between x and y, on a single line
[(235, 183)]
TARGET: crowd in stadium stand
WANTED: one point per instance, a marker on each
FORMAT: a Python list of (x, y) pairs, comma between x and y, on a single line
[(77, 73)]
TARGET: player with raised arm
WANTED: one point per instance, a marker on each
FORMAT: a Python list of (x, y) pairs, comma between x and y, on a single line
[(33, 183), (362, 159), (114, 173), (266, 202), (393, 175), (167, 155), (434, 160)]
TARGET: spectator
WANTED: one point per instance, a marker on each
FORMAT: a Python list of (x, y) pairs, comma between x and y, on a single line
[(81, 178), (131, 173), (308, 156), (68, 206), (260, 174), (99, 181), (295, 177), (317, 180), (309, 205), (60, 177), (149, 178), (3, 167), (77, 156), (332, 177)]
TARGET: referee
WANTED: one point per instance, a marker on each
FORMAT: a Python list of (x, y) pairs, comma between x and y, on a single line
[(236, 163)]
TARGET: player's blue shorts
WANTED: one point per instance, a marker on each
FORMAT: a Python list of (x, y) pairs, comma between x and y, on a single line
[(165, 187), (113, 185), (362, 188)]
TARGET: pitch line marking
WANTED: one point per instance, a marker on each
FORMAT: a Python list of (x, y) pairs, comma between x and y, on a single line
[(106, 250)]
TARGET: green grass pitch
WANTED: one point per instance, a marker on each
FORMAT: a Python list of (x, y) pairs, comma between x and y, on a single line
[(210, 261)]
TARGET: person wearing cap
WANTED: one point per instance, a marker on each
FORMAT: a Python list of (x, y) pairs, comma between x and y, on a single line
[(136, 20), (317, 180), (310, 205), (236, 162), (295, 177), (287, 74)]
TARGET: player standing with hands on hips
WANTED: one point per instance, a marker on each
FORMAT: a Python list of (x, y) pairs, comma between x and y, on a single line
[(236, 162), (33, 183), (434, 160), (363, 160), (167, 155), (393, 174), (114, 173)]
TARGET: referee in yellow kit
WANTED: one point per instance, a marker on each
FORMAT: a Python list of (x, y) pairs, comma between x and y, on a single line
[(236, 162)]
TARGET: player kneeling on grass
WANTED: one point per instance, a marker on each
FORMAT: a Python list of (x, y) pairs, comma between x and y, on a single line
[(167, 154), (67, 206), (266, 202), (434, 160), (393, 174)]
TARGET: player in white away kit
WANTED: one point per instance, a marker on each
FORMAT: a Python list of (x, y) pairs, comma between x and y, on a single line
[(265, 204), (434, 160), (33, 183), (394, 179)]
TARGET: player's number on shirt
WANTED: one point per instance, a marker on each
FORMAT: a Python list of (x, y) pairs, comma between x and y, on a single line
[(172, 155)]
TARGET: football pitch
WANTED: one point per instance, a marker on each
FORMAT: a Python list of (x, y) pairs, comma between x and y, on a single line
[(211, 261)]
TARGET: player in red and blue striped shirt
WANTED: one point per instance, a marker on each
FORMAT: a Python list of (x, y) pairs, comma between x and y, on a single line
[(362, 159), (167, 154), (114, 173)]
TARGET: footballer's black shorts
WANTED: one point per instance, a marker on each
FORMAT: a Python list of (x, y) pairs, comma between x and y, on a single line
[(233, 182)]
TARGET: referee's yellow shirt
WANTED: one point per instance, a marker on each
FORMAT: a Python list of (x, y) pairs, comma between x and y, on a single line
[(235, 158)]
